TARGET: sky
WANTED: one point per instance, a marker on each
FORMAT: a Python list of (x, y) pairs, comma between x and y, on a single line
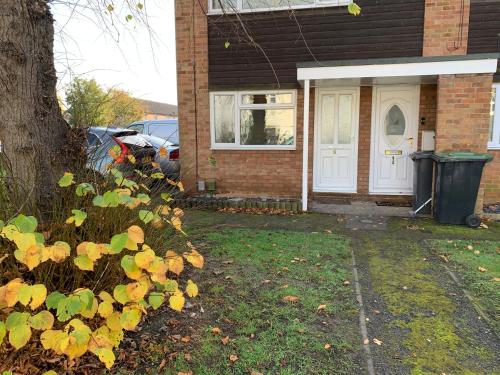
[(137, 61)]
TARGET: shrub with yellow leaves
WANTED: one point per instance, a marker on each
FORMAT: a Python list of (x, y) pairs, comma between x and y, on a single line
[(87, 319)]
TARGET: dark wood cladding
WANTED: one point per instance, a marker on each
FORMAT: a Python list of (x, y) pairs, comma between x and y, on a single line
[(385, 28), (484, 28)]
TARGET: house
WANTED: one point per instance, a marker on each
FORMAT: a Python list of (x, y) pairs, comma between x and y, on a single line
[(307, 101), (158, 111)]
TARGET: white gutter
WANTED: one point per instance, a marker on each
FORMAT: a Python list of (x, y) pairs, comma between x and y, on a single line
[(399, 70), (305, 146)]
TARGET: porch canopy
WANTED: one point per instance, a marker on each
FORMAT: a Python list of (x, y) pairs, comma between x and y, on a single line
[(421, 69)]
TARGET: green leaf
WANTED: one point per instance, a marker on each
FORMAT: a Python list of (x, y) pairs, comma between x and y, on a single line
[(111, 199), (110, 8), (156, 299), (129, 17), (25, 224), (144, 198), (84, 263), (146, 216), (79, 217), (130, 319), (24, 294), (129, 184), (87, 298), (2, 224), (106, 356), (166, 197), (118, 242), (53, 299), (16, 319), (20, 335), (120, 294), (354, 9), (3, 331), (66, 180), (125, 199), (44, 320), (227, 44), (84, 188), (128, 264), (158, 176), (73, 305), (140, 6)]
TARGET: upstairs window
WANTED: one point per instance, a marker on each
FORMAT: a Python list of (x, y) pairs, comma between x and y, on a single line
[(233, 6), (494, 140), (253, 120)]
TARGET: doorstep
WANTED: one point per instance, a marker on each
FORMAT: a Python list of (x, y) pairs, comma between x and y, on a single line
[(360, 208)]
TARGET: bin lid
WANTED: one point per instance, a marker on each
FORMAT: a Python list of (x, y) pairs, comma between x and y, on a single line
[(421, 155), (457, 156)]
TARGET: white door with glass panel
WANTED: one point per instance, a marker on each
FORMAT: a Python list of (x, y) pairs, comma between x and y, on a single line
[(336, 140), (394, 138)]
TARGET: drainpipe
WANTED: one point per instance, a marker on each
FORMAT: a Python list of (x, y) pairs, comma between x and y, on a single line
[(305, 146)]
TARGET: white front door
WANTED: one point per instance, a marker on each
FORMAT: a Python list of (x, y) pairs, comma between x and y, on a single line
[(336, 140), (394, 138)]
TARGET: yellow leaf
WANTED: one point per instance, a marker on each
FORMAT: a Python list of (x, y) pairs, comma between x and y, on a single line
[(233, 357), (43, 321), (106, 356), (90, 313), (180, 186), (174, 262), (195, 258), (84, 263), (59, 251), (50, 372), (377, 341), (327, 346), (24, 241), (19, 335), (52, 338), (176, 223), (130, 319), (90, 249), (158, 269), (144, 259), (10, 294), (176, 301), (120, 294), (290, 298), (105, 309), (191, 289), (136, 291), (216, 331), (113, 321), (38, 295)]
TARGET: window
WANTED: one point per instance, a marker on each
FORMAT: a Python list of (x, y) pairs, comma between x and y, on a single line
[(494, 139), (229, 6), (138, 127), (253, 120)]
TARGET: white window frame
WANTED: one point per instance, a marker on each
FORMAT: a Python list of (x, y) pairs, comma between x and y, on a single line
[(238, 102), (494, 144), (239, 6)]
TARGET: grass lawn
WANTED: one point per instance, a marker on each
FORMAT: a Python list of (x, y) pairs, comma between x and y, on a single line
[(274, 302), (477, 264)]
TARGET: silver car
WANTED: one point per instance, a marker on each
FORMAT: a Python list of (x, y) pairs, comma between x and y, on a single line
[(167, 155)]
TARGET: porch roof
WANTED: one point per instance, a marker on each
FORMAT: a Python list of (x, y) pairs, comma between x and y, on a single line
[(398, 67)]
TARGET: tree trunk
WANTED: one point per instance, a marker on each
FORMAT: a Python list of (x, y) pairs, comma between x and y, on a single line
[(33, 132)]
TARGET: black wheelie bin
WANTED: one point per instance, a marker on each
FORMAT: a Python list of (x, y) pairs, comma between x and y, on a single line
[(457, 179)]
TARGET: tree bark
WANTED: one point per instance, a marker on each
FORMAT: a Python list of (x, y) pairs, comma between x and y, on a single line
[(33, 132)]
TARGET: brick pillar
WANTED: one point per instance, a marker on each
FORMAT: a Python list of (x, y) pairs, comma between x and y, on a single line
[(463, 115), (446, 27), (192, 84)]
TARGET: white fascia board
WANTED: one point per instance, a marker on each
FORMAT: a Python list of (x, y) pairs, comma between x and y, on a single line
[(399, 70)]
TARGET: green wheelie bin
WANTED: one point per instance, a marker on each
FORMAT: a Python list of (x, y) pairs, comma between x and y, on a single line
[(457, 178)]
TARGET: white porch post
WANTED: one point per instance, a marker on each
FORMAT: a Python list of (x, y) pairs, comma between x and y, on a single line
[(305, 146)]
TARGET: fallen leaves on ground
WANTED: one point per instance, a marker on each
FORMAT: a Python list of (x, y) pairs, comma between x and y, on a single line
[(327, 346), (256, 373), (482, 269), (366, 341), (216, 331), (321, 307), (290, 299), (233, 357), (377, 341), (444, 258), (225, 340), (470, 247), (347, 283)]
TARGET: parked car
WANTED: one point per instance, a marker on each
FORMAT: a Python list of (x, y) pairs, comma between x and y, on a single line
[(167, 155), (101, 139), (166, 129)]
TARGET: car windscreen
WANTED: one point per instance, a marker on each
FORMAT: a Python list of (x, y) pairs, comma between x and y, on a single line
[(167, 131)]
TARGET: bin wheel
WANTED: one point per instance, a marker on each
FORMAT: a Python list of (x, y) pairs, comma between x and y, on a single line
[(473, 221)]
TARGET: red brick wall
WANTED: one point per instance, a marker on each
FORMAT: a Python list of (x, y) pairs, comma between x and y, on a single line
[(446, 26), (428, 109), (491, 178), (192, 83), (364, 140)]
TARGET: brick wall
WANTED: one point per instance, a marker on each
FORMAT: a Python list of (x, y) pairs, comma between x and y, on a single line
[(427, 110), (192, 83), (491, 179), (463, 115), (446, 26)]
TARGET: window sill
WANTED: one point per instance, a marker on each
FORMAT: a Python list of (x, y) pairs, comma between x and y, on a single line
[(494, 148), (253, 148), (341, 3)]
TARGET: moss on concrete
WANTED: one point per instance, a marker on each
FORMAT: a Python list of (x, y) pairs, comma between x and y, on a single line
[(421, 308)]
